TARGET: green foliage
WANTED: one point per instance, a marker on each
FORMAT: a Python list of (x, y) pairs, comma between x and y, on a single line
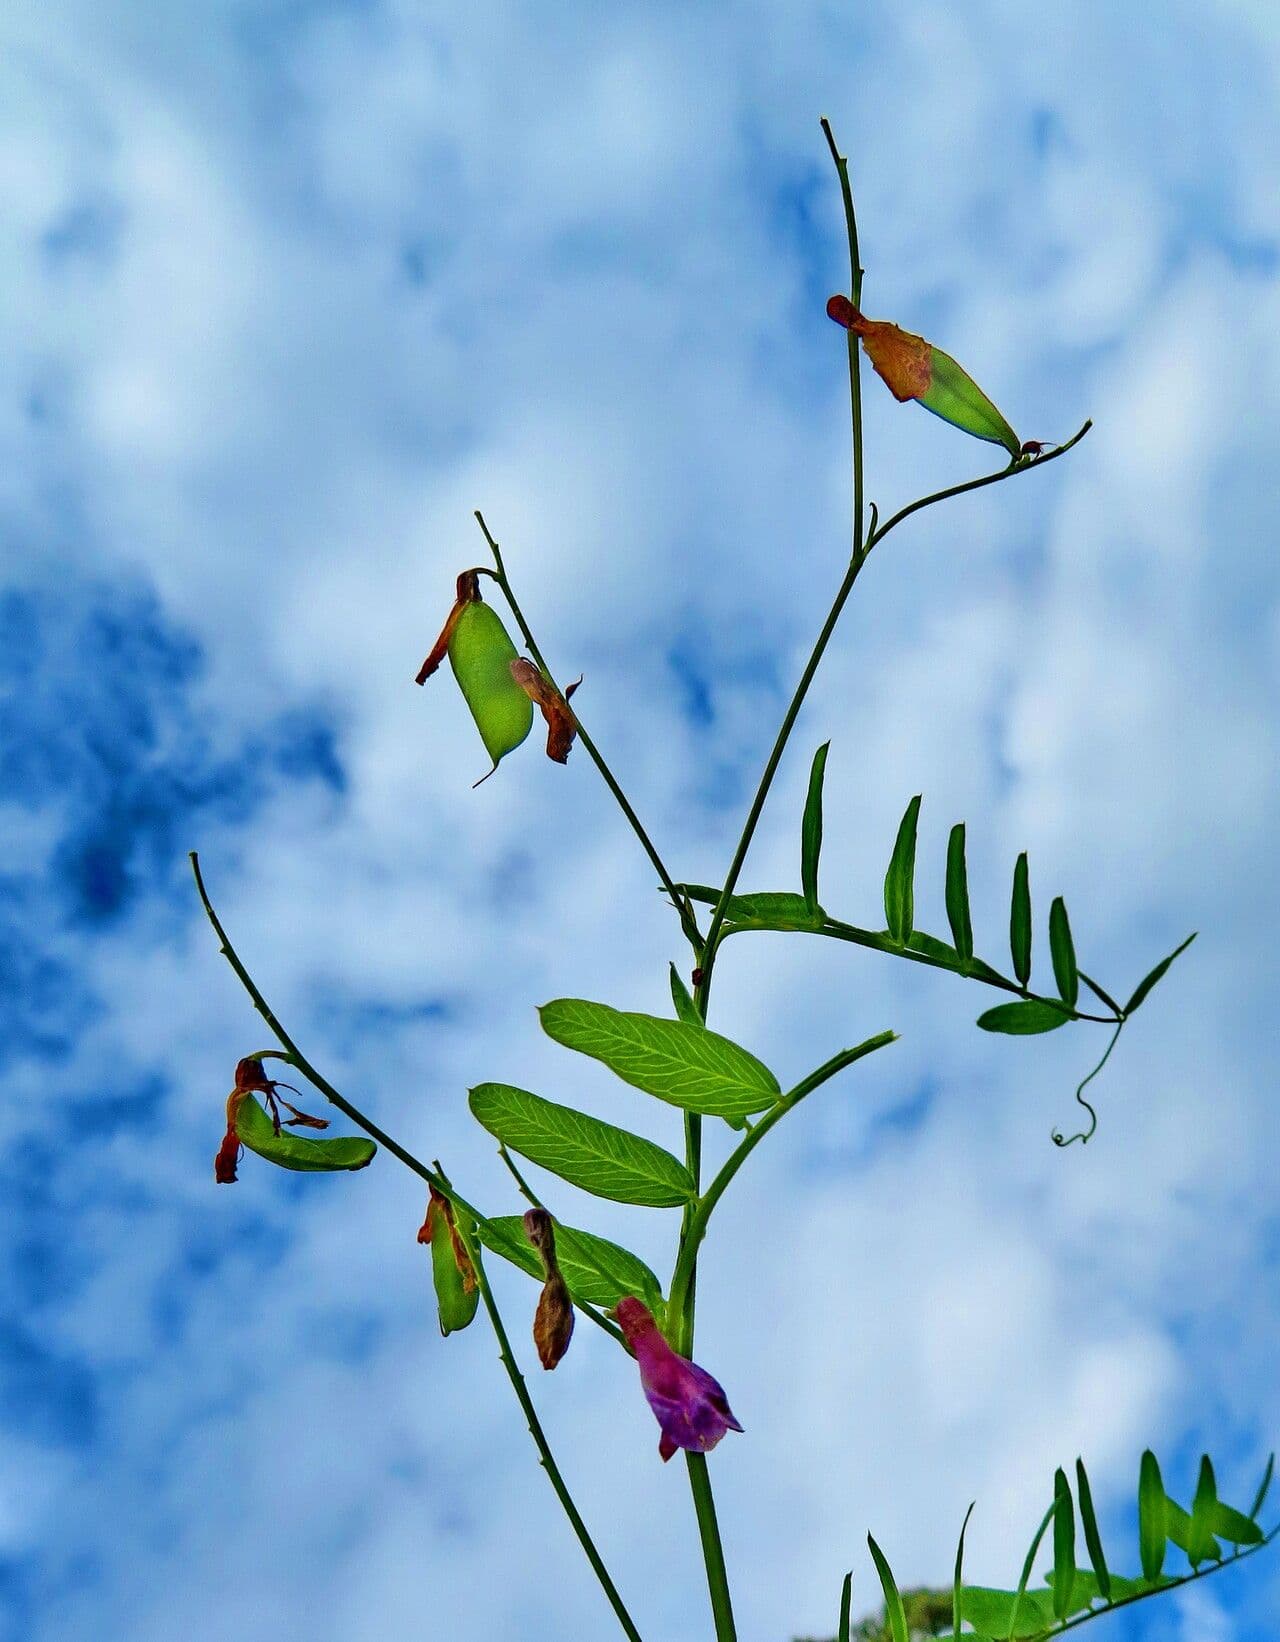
[(598, 1272), (1020, 1019), (899, 880), (770, 909), (1157, 974), (599, 1157), (894, 1612), (1020, 920), (291, 1151), (685, 1008), (686, 1065), (811, 830), (957, 894), (1072, 1596), (1063, 952)]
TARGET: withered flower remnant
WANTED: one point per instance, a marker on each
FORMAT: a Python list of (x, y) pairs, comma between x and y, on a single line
[(555, 709), (553, 1320)]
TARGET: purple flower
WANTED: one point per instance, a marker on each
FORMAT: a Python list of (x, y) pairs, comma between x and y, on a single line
[(689, 1405)]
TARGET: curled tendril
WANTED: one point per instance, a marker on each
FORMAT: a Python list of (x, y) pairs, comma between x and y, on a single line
[(1085, 1135)]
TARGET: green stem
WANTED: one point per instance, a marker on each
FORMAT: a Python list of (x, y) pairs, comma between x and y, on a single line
[(546, 1458), (687, 1261), (687, 920), (298, 1059), (857, 559), (704, 1506), (877, 941), (1017, 466)]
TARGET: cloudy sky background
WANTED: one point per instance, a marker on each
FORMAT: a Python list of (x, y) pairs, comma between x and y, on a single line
[(291, 288)]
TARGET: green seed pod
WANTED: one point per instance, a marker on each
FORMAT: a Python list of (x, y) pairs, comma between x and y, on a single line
[(914, 369), (956, 398), (457, 1293), (254, 1129), (481, 653)]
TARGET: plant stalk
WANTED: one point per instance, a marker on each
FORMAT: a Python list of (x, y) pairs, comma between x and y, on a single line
[(546, 1458)]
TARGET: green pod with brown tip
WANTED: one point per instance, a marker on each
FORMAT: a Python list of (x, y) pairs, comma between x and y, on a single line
[(481, 653)]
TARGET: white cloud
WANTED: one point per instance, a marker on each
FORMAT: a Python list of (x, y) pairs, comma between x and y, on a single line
[(372, 271)]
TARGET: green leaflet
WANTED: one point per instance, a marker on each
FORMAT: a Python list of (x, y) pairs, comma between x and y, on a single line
[(929, 946), (455, 1303), (957, 1584), (291, 1151), (955, 397), (688, 1066), (1063, 952), (685, 1008), (599, 1273), (991, 1611), (1064, 1545), (846, 1603), (1092, 1537), (1020, 921), (811, 830), (892, 1599), (770, 909), (1260, 1498), (1234, 1526), (899, 880), (481, 654), (1200, 1541), (597, 1156), (958, 893), (1157, 974), (1153, 1517), (1022, 1019)]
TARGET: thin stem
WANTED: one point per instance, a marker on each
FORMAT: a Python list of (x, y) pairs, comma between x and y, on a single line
[(875, 941), (298, 1059), (704, 1506), (688, 1256), (857, 559), (1017, 466), (522, 1185), (687, 920), (546, 1458)]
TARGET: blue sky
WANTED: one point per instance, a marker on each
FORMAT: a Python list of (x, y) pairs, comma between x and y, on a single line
[(289, 290)]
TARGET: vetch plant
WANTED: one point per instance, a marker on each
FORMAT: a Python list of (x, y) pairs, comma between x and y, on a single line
[(682, 1061)]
